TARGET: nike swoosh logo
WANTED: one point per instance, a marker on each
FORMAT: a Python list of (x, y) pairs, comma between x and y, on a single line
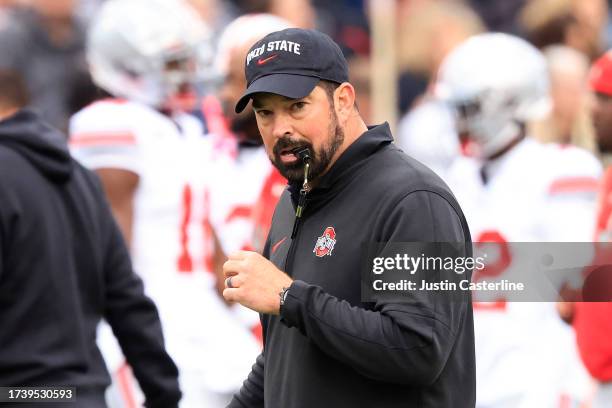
[(263, 61), (275, 246)]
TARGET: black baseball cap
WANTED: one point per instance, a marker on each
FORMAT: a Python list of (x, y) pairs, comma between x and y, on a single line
[(290, 63)]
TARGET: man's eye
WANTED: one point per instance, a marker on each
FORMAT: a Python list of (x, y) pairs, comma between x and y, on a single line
[(298, 106), (263, 113)]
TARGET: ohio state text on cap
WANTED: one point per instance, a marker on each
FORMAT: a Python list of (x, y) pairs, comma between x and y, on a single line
[(290, 63)]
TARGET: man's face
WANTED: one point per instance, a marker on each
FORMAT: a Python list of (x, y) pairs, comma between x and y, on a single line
[(602, 121), (178, 77), (286, 124), (242, 124)]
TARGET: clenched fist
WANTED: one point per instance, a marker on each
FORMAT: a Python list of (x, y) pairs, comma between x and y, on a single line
[(254, 282)]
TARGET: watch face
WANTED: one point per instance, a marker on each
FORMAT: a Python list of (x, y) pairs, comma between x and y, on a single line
[(283, 295)]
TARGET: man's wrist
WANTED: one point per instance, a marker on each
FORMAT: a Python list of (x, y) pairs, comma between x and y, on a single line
[(283, 296), (295, 302)]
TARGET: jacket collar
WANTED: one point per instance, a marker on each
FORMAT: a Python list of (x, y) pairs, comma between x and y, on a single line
[(375, 138)]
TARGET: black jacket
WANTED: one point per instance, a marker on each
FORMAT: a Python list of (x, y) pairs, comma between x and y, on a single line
[(64, 266), (330, 349)]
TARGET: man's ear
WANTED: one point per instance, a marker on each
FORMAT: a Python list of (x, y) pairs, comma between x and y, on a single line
[(344, 99)]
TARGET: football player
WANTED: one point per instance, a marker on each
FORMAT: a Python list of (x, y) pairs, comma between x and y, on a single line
[(593, 320), (247, 187), (515, 189), (154, 162), (254, 181)]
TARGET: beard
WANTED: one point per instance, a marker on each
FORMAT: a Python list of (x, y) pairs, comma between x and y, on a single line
[(320, 159)]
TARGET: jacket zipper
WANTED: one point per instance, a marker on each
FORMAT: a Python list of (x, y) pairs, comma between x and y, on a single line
[(303, 154)]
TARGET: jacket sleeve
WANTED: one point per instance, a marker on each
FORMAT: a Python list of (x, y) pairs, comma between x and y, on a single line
[(136, 324), (403, 343), (251, 395)]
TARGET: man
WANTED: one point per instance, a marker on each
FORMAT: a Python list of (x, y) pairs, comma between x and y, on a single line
[(323, 345), (426, 132), (63, 267), (600, 82), (154, 163), (593, 320), (245, 179), (516, 189), (246, 187)]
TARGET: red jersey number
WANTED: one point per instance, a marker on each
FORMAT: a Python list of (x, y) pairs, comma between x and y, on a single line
[(493, 269)]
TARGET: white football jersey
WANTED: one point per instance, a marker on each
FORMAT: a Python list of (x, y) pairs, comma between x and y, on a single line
[(243, 185), (246, 186), (525, 355), (244, 194), (172, 160), (171, 236)]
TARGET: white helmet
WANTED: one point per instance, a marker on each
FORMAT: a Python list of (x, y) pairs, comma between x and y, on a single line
[(496, 83), (243, 32), (145, 50)]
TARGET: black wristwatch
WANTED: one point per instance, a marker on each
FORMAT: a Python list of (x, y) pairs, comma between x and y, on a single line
[(283, 295)]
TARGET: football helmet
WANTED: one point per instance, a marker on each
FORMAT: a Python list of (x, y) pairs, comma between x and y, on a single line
[(495, 83), (233, 46), (149, 51), (243, 32)]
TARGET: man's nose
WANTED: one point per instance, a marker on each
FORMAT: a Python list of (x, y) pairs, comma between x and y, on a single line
[(281, 126)]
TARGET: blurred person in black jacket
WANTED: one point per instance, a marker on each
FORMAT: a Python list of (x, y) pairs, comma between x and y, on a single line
[(63, 267)]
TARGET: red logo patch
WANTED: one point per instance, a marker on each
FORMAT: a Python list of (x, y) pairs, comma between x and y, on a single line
[(325, 243), (262, 61)]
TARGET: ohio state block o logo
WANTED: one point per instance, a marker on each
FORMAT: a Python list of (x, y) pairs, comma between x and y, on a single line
[(325, 243)]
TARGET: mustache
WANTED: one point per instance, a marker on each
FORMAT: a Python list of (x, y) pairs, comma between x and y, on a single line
[(287, 143)]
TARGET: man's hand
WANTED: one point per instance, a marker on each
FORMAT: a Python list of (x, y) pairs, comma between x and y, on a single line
[(254, 282)]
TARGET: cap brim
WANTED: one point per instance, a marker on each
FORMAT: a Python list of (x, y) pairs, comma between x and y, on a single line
[(288, 85)]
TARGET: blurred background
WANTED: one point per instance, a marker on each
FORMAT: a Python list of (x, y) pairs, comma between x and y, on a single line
[(395, 49)]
